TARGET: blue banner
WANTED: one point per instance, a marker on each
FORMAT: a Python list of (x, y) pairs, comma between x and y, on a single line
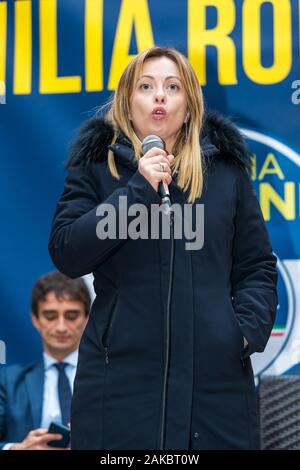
[(60, 59)]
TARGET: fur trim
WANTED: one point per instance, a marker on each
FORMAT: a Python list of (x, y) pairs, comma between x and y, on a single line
[(219, 133), (226, 137), (91, 142)]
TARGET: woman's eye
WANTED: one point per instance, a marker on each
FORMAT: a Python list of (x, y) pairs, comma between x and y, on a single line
[(171, 86), (174, 86), (145, 86)]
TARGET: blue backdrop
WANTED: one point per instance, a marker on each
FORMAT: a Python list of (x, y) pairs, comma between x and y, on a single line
[(60, 59)]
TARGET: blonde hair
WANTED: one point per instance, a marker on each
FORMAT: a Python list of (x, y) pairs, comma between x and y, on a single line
[(188, 160)]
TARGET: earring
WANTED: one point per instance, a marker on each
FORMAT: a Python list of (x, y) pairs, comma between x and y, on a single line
[(186, 132)]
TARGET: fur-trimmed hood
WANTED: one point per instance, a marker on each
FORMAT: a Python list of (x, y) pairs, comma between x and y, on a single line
[(219, 139)]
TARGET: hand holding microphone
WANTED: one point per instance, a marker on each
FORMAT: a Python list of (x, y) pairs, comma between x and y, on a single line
[(155, 166)]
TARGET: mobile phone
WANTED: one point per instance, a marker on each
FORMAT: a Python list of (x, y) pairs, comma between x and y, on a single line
[(58, 428)]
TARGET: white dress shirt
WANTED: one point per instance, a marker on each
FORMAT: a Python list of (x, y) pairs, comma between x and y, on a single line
[(51, 407)]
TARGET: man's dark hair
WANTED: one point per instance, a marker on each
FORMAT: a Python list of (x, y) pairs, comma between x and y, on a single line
[(63, 287)]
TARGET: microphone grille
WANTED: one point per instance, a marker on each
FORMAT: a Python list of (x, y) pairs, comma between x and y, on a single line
[(151, 141)]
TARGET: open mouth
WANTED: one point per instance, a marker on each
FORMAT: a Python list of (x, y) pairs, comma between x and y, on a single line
[(158, 114), (159, 110)]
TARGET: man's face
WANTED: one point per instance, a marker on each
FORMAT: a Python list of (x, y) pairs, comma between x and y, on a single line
[(60, 323)]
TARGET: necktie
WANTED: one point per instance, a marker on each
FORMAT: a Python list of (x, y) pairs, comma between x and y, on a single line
[(64, 392)]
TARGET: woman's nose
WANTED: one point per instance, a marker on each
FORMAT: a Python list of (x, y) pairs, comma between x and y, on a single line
[(160, 95)]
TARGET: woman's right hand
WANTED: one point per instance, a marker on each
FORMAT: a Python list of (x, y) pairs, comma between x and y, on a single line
[(149, 166)]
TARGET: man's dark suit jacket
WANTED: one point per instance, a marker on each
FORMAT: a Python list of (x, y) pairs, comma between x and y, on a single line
[(21, 399)]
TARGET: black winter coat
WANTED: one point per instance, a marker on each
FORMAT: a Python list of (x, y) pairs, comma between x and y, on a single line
[(154, 374)]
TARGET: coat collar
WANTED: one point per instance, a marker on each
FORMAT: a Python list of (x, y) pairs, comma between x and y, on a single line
[(219, 139)]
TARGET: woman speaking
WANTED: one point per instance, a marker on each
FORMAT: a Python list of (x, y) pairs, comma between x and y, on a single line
[(164, 362)]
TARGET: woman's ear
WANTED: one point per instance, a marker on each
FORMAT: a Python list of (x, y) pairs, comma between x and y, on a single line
[(187, 117)]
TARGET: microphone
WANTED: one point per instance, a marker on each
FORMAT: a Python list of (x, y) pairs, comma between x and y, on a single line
[(163, 190)]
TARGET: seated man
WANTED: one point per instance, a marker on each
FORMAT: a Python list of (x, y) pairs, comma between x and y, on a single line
[(33, 396)]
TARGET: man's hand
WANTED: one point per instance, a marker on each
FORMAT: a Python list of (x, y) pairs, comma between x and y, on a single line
[(37, 440), (245, 342)]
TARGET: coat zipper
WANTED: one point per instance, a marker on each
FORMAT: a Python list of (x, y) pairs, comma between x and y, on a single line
[(107, 334), (106, 355), (162, 434)]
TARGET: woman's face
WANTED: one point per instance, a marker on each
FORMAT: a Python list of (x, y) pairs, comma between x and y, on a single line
[(158, 103)]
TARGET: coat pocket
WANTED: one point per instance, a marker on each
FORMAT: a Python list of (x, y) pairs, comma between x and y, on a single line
[(238, 330), (106, 337)]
